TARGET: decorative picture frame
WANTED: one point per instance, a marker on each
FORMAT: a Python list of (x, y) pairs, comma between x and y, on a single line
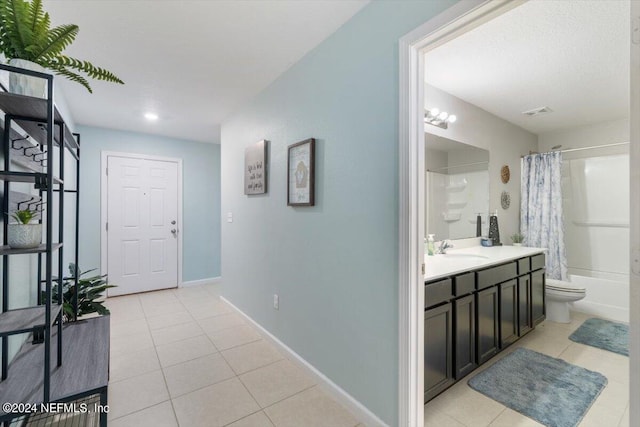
[(301, 173), (255, 168)]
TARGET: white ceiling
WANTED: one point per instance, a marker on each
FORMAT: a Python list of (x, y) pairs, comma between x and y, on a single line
[(569, 55), (192, 62)]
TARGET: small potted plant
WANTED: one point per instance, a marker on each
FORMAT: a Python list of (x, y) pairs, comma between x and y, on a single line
[(23, 234), (517, 239), (28, 41), (90, 294)]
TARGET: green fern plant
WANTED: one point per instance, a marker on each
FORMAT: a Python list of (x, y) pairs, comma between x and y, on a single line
[(26, 33)]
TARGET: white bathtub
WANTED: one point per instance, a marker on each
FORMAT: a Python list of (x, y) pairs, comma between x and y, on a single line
[(607, 296)]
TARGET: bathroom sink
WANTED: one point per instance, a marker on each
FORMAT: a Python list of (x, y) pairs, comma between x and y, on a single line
[(464, 256)]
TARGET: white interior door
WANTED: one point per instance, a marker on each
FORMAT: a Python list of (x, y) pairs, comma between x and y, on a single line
[(142, 224)]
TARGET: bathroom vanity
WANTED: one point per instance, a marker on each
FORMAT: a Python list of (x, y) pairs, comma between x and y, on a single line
[(478, 301)]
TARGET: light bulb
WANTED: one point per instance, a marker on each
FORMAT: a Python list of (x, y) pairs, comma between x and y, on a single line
[(443, 116), (434, 112), (151, 116), (452, 118)]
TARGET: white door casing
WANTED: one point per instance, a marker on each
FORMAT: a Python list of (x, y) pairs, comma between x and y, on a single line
[(141, 218)]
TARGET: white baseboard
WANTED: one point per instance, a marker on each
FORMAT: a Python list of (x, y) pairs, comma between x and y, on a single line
[(207, 281), (357, 409)]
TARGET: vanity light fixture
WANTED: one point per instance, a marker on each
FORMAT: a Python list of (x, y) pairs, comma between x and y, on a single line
[(442, 119), (152, 117)]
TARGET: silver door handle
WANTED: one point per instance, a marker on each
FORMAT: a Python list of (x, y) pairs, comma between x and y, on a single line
[(173, 222), (174, 231)]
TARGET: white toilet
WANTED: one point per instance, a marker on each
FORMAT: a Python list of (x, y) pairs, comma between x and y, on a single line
[(558, 296)]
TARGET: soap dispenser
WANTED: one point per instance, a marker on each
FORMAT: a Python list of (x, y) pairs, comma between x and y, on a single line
[(431, 245)]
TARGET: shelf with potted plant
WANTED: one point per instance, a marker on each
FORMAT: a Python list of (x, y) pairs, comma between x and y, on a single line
[(24, 231), (34, 132), (36, 119), (22, 115)]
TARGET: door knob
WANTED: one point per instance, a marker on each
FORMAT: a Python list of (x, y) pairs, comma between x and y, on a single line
[(174, 231), (173, 222)]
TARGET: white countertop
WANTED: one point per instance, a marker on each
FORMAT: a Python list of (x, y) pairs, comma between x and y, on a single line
[(460, 260)]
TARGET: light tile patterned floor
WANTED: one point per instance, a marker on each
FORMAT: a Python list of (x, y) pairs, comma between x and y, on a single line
[(461, 406), (183, 358)]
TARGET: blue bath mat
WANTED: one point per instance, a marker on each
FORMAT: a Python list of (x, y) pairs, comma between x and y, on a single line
[(603, 334), (549, 390)]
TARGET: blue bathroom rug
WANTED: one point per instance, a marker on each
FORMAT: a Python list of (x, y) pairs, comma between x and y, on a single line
[(549, 390), (603, 334)]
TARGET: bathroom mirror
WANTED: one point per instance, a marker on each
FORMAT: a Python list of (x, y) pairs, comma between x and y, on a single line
[(457, 188)]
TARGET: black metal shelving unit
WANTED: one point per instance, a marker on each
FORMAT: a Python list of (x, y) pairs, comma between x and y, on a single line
[(33, 130)]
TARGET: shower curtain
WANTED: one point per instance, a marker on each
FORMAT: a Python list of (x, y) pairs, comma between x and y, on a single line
[(541, 220)]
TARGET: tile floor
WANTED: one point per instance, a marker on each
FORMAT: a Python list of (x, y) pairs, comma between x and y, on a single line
[(461, 406), (183, 358)]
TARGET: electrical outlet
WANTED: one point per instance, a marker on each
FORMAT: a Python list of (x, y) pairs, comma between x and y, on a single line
[(229, 216), (276, 302)]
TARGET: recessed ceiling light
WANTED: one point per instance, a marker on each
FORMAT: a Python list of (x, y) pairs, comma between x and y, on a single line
[(151, 116)]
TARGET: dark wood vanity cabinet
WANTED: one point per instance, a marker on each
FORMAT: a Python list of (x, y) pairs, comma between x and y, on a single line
[(472, 316), (464, 324), (525, 321), (537, 284), (438, 337), (525, 292), (497, 309), (487, 330), (508, 312), (537, 296), (438, 350), (464, 335)]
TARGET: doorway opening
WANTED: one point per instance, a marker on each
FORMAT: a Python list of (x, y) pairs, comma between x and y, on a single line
[(415, 97)]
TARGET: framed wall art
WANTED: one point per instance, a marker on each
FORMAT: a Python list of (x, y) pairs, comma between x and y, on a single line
[(255, 168), (300, 173)]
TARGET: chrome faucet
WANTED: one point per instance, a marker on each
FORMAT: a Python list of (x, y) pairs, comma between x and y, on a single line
[(443, 246)]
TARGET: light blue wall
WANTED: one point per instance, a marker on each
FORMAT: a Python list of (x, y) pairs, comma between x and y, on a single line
[(335, 265), (201, 195)]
